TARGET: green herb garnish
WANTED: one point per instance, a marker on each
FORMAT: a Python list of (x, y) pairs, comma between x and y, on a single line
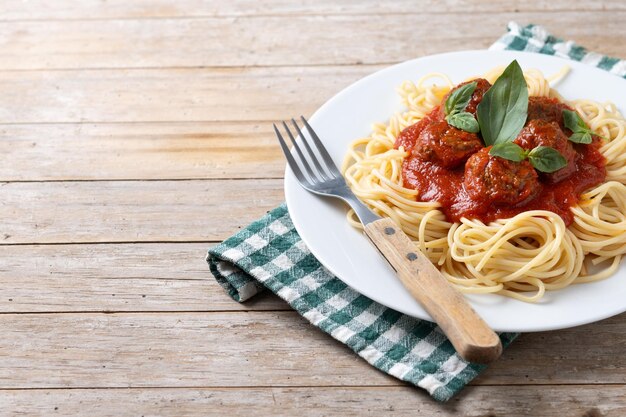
[(509, 150), (546, 159), (501, 115), (542, 158), (581, 132), (504, 107), (459, 99), (455, 106), (464, 121)]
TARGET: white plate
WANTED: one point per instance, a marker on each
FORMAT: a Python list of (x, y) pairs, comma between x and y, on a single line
[(321, 222)]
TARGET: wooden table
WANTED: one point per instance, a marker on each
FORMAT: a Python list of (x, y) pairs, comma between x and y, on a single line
[(135, 134)]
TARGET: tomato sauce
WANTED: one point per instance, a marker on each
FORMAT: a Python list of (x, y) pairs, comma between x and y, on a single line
[(447, 185)]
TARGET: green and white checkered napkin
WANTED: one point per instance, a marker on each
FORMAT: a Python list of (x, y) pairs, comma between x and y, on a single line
[(270, 254)]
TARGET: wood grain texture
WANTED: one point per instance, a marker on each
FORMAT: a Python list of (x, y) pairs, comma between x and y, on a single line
[(269, 41), (128, 277), (504, 401), (472, 338), (132, 211), (260, 349), (84, 151), (585, 354), (115, 9), (66, 278), (182, 349), (168, 95)]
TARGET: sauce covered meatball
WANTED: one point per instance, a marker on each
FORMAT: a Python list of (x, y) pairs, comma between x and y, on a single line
[(482, 86), (547, 109), (539, 132), (409, 135), (488, 187), (499, 180), (445, 145)]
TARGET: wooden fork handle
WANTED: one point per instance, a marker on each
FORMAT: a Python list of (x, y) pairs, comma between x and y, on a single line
[(472, 338)]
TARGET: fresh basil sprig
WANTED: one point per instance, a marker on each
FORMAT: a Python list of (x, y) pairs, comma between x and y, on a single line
[(458, 100), (546, 159), (509, 150), (581, 132), (455, 106), (504, 107), (501, 115), (464, 121), (542, 158)]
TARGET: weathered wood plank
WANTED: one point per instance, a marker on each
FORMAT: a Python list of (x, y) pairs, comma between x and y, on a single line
[(586, 354), (128, 277), (279, 40), (114, 278), (259, 349), (139, 151), (90, 9), (132, 211), (505, 401), (167, 95), (182, 349)]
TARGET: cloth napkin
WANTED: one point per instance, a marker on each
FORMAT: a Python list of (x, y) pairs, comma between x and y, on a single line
[(270, 254)]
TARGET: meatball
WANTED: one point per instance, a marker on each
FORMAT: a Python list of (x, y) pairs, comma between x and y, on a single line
[(482, 86), (499, 180), (445, 145), (539, 132), (548, 109), (409, 135)]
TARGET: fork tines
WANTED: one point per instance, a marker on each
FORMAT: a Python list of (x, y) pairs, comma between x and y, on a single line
[(319, 166)]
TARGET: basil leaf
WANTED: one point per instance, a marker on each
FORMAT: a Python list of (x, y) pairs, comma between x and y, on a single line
[(573, 121), (504, 107), (581, 137), (460, 98), (546, 159), (464, 121), (508, 150)]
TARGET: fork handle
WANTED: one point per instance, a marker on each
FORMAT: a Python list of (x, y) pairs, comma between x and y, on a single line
[(472, 338)]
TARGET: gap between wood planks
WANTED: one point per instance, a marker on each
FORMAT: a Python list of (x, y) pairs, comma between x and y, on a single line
[(399, 385), (185, 68), (142, 179), (164, 8), (312, 14), (113, 242)]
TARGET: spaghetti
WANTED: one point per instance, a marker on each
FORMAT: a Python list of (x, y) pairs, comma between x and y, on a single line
[(533, 251)]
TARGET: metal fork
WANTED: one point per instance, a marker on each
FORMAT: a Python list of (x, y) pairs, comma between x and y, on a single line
[(469, 334), (323, 177)]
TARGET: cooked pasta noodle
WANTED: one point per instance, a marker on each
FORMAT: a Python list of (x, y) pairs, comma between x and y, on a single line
[(522, 256)]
